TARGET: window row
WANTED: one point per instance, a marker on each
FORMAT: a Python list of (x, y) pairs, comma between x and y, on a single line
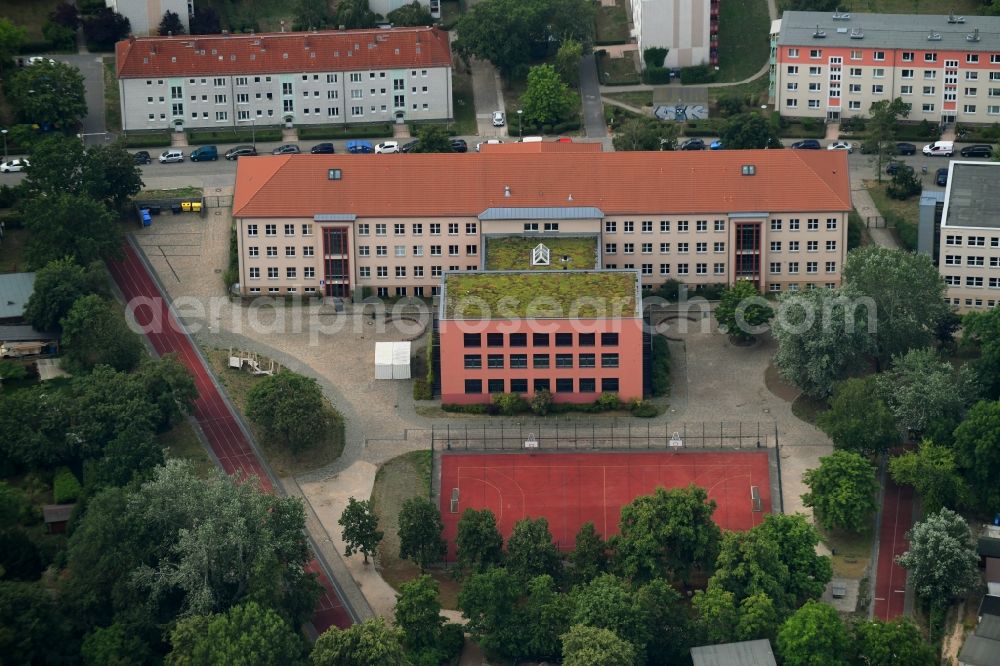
[(774, 268), (271, 251), (272, 229), (811, 246), (971, 241), (905, 56), (646, 226), (417, 229), (401, 271), (794, 286), (956, 260), (561, 384), (975, 281), (474, 340), (520, 361), (664, 248), (291, 273), (972, 302), (718, 268), (417, 250)]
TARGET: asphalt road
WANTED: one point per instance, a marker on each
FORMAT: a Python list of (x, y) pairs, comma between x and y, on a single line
[(91, 67)]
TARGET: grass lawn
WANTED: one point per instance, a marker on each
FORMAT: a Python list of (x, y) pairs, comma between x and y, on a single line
[(612, 24), (464, 102), (514, 253), (401, 478), (285, 463), (29, 14), (112, 109), (959, 7), (639, 98), (178, 192), (757, 88), (182, 442), (266, 13), (617, 71), (12, 250), (743, 40), (852, 552), (904, 214)]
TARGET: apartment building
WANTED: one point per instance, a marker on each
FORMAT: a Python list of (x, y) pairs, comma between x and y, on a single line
[(688, 28), (292, 78), (947, 68), (144, 16), (970, 235), (393, 225)]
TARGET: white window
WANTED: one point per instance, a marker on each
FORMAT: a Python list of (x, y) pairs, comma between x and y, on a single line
[(815, 87), (878, 89), (930, 74), (879, 72), (815, 53), (969, 108), (254, 273), (815, 71), (972, 76), (814, 104), (908, 56), (906, 74), (905, 90), (775, 267), (928, 108), (793, 53), (930, 57), (854, 88), (855, 55), (854, 105), (878, 55), (791, 103), (793, 70), (928, 90)]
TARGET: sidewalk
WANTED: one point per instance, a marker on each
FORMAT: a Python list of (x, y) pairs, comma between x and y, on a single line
[(866, 209)]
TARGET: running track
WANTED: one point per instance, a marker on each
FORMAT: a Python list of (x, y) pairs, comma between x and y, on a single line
[(890, 580), (217, 421)]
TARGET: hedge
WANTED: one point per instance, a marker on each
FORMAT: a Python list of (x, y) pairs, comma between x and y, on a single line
[(203, 137), (65, 487), (509, 404), (697, 74), (660, 376), (340, 132), (151, 140), (655, 75)]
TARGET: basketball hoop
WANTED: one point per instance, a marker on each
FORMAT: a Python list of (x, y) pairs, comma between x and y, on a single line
[(531, 442), (675, 441)]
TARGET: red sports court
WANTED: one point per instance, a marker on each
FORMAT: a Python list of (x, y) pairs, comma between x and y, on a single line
[(570, 489)]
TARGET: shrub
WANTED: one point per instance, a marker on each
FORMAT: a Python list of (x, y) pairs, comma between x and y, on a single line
[(60, 36), (730, 105), (509, 404), (9, 195), (642, 409), (660, 374), (608, 401), (710, 292), (697, 74), (541, 402), (655, 75), (654, 56), (669, 290), (904, 184), (65, 487), (568, 126), (475, 408), (421, 389), (149, 140), (232, 274)]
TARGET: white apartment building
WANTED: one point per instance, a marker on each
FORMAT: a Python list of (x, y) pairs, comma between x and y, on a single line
[(688, 28), (834, 65), (293, 78), (144, 16)]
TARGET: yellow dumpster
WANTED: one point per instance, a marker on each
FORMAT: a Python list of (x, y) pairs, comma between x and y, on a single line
[(186, 206), (195, 206)]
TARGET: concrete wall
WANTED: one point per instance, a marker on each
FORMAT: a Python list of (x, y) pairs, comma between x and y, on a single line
[(683, 26)]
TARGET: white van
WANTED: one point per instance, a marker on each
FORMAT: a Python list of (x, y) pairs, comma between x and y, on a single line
[(944, 148), (171, 155), (531, 139)]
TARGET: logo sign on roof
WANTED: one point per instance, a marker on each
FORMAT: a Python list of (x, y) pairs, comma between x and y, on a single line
[(540, 256)]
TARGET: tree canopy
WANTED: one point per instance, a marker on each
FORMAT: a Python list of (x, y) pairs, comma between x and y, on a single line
[(548, 99), (983, 329), (419, 532), (12, 36), (426, 637), (881, 127), (530, 551), (57, 286), (170, 24), (290, 409), (858, 419), (977, 447), (941, 560), (748, 131), (361, 532), (69, 225), (645, 134), (433, 139), (368, 643), (413, 14), (742, 311), (813, 636), (584, 645), (48, 94), (95, 333), (842, 491), (104, 28), (478, 541), (234, 636), (896, 643), (932, 472), (589, 557)]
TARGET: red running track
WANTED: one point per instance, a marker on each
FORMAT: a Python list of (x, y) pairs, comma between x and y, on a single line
[(890, 579), (569, 489), (217, 421)]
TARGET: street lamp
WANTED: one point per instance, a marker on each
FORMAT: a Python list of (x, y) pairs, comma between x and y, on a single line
[(253, 129), (519, 112), (4, 132)]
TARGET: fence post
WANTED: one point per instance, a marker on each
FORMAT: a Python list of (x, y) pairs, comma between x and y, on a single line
[(647, 435), (503, 442), (449, 434)]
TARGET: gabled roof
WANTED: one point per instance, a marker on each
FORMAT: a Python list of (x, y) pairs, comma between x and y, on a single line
[(282, 52), (412, 185), (541, 147)]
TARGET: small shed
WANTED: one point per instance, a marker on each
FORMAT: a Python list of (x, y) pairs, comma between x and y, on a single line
[(56, 516), (983, 647), (745, 653), (392, 360), (15, 290)]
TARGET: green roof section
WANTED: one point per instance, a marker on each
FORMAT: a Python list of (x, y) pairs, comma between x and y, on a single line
[(514, 253), (558, 294)]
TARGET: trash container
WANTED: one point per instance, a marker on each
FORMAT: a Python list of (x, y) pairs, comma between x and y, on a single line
[(146, 219), (154, 210), (195, 206), (186, 206), (175, 209)]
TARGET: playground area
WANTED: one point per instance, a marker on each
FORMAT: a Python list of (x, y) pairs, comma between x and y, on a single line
[(570, 489)]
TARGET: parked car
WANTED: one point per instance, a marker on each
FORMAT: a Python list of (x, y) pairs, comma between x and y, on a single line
[(979, 150), (943, 148), (409, 146), (716, 145), (693, 144), (322, 149), (286, 149), (386, 147), (480, 144), (807, 144), (240, 151), (360, 146), (459, 145), (205, 154), (34, 60), (841, 145), (895, 166), (903, 148), (171, 155), (564, 139), (142, 157), (13, 166), (942, 176), (499, 120)]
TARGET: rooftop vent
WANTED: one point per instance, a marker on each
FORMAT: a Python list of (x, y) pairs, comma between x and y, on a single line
[(173, 58), (934, 36), (506, 191), (190, 44), (748, 169), (333, 174), (973, 37), (256, 42), (841, 31), (819, 34), (569, 198), (285, 56), (856, 33), (215, 51), (397, 51), (312, 54), (837, 16), (955, 19)]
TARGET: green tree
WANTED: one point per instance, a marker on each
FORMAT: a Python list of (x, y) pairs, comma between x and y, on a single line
[(413, 14), (361, 532), (904, 183), (419, 532), (56, 166), (589, 557), (584, 645), (66, 15), (12, 505), (977, 449), (12, 36), (908, 293), (896, 643), (103, 28), (34, 631), (289, 409), (758, 618), (115, 645), (48, 94), (205, 21), (858, 419), (69, 225), (667, 622), (132, 454), (881, 126), (489, 601), (813, 636), (169, 386), (941, 560), (932, 472), (355, 14), (232, 637), (822, 335), (109, 174), (95, 333), (501, 31), (60, 36), (478, 541), (718, 614), (983, 330), (418, 615), (57, 286), (667, 534), (742, 311), (568, 62), (842, 491), (569, 20), (170, 24), (645, 134), (546, 617), (311, 15), (607, 602), (749, 131), (530, 551), (369, 643), (547, 99), (433, 139)]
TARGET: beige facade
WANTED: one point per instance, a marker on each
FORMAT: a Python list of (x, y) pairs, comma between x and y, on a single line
[(686, 27)]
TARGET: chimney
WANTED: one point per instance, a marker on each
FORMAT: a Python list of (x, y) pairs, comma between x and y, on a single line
[(506, 191)]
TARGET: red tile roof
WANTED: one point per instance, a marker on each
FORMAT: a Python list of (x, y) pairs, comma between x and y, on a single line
[(410, 185), (282, 52), (541, 147)]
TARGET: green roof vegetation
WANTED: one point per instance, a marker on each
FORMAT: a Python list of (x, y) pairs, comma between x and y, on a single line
[(513, 253), (541, 295)]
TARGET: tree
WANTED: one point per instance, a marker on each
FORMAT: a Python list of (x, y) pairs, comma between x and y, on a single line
[(589, 557), (730, 105), (355, 14), (170, 25), (546, 617), (60, 36), (361, 532), (68, 225), (667, 534), (489, 601), (132, 454), (478, 541), (904, 183), (369, 643), (809, 5), (941, 561), (926, 394), (881, 129), (896, 643), (34, 632), (420, 530), (20, 558), (842, 491), (742, 311), (908, 294), (413, 14), (983, 330), (56, 167), (568, 20), (48, 94), (57, 286), (592, 646), (95, 333), (813, 636), (858, 419), (645, 134), (205, 21), (501, 31), (718, 613), (977, 447), (822, 336), (426, 637), (311, 15), (290, 409), (547, 99), (749, 131), (12, 36), (115, 645), (932, 472), (168, 386), (568, 62), (433, 139), (670, 632), (607, 602), (66, 15), (109, 175), (104, 28), (231, 637), (530, 551)]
